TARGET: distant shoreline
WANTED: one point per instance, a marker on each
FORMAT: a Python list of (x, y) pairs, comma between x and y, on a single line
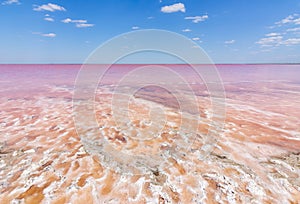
[(150, 64)]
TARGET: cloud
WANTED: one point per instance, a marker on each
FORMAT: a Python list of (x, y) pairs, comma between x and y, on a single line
[(229, 42), (272, 34), (135, 28), (285, 20), (186, 30), (297, 21), (270, 41), (78, 23), (196, 39), (197, 19), (173, 8), (49, 19), (84, 25), (9, 2), (293, 29), (291, 19), (277, 41), (50, 35), (67, 20), (287, 37), (150, 17), (49, 7), (291, 41)]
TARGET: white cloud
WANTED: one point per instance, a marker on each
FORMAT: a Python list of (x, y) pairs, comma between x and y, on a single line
[(84, 25), (186, 30), (291, 19), (277, 41), (150, 17), (49, 7), (196, 39), (49, 19), (287, 37), (78, 23), (297, 21), (67, 20), (272, 34), (135, 28), (173, 8), (9, 2), (50, 35), (197, 19), (291, 41), (293, 29), (229, 42), (270, 41), (285, 20)]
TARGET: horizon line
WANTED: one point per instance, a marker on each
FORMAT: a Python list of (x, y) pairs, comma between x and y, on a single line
[(266, 63)]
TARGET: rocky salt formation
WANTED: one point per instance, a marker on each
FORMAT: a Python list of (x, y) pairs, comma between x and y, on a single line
[(256, 158)]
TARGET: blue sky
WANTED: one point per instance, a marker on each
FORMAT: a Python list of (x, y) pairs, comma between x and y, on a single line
[(230, 31)]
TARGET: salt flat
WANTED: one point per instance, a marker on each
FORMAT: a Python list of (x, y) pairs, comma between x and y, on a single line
[(255, 159)]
